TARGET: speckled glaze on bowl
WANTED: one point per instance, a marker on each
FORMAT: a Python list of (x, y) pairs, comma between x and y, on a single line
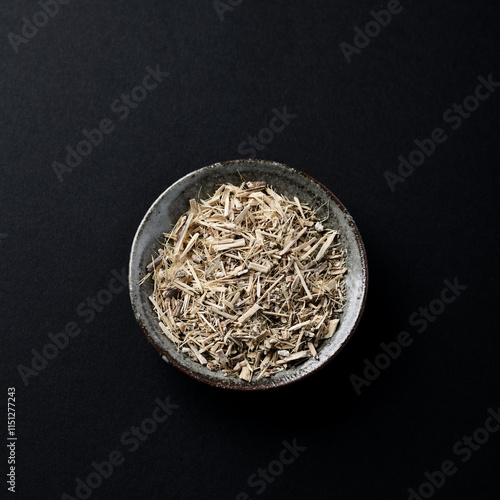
[(172, 203)]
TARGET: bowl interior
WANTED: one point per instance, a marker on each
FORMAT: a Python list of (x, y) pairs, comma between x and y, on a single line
[(202, 183)]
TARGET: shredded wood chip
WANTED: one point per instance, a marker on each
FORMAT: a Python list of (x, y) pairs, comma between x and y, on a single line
[(249, 282), (332, 326)]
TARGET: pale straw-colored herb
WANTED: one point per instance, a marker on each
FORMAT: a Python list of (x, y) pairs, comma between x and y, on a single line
[(248, 282)]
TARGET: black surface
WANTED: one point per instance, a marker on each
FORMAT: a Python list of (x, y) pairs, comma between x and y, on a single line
[(60, 242)]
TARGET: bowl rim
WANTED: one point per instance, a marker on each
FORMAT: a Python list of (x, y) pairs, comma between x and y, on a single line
[(274, 383)]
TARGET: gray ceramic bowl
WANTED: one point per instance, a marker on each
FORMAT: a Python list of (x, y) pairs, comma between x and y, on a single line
[(173, 202)]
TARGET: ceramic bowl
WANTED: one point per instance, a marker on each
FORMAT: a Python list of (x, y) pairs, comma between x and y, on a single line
[(202, 183)]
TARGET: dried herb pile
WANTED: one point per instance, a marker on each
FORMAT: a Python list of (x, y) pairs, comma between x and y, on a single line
[(248, 282)]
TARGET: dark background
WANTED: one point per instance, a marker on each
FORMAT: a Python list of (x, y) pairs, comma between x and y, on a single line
[(60, 241)]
